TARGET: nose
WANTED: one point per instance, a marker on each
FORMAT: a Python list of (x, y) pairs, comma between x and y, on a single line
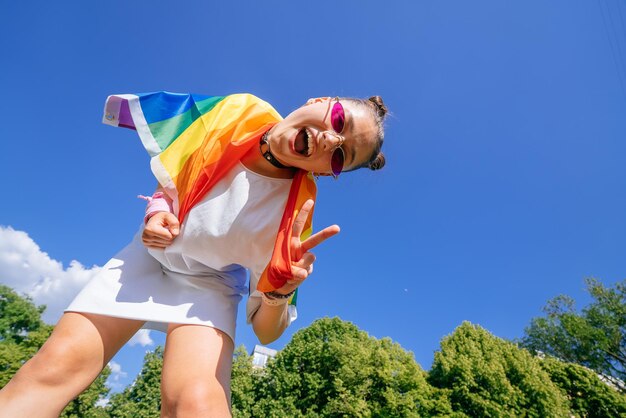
[(331, 140)]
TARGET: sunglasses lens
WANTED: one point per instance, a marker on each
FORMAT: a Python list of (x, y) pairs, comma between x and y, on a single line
[(337, 118), (336, 161)]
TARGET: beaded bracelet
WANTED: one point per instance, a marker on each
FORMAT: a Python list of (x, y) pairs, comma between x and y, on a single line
[(276, 299)]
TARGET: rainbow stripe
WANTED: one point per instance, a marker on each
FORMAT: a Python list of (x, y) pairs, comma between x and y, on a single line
[(195, 140)]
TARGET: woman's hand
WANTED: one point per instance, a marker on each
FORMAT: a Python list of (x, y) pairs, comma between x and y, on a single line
[(160, 230), (269, 322), (302, 258)]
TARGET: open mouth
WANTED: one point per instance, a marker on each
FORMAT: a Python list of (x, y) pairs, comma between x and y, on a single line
[(302, 143)]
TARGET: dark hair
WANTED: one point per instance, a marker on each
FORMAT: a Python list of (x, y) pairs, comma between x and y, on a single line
[(379, 111)]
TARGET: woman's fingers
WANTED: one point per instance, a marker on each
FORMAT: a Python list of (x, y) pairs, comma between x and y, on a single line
[(306, 260), (158, 233), (303, 214), (151, 243), (319, 237), (160, 230), (171, 222), (162, 225), (302, 268), (298, 275), (151, 240), (155, 238), (315, 239)]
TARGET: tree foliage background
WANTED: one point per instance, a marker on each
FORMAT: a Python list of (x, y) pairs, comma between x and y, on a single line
[(595, 337), (490, 377), (332, 368)]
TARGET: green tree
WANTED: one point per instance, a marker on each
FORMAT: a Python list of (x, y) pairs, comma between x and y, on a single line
[(244, 383), (595, 337), (490, 377), (588, 395), (18, 315), (142, 399), (22, 333), (332, 368)]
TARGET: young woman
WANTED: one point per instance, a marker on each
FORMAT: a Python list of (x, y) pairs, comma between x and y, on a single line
[(185, 271)]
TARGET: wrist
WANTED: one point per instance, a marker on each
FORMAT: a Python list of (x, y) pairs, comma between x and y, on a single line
[(274, 298), (158, 202)]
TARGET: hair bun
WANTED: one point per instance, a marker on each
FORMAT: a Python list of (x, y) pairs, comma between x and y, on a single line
[(378, 162), (381, 109)]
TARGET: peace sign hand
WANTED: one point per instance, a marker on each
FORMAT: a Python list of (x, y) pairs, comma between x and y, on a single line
[(302, 258)]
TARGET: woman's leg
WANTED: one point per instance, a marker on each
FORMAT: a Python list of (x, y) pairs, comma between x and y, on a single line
[(76, 352), (196, 372)]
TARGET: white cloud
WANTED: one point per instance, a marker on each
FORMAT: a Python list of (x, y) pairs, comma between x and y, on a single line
[(116, 371), (27, 269), (116, 377), (142, 337)]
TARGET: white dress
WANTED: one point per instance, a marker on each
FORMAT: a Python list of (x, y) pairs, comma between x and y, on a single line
[(201, 277)]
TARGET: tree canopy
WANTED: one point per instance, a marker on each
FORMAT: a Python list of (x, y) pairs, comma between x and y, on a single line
[(588, 395), (595, 337), (490, 377), (332, 368), (142, 399), (18, 316)]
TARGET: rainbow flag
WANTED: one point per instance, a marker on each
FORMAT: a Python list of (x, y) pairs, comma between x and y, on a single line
[(195, 140)]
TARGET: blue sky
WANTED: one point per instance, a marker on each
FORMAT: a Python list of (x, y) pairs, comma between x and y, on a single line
[(506, 150)]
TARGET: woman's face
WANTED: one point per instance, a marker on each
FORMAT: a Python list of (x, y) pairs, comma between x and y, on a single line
[(306, 139)]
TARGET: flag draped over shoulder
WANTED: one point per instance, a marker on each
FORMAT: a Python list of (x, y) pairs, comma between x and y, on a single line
[(195, 140)]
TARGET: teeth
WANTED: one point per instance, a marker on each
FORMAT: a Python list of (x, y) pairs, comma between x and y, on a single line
[(308, 143)]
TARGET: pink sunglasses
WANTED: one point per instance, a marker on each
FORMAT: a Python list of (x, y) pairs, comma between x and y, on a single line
[(337, 121)]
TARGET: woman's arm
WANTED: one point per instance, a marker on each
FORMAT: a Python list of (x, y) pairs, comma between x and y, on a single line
[(270, 321)]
